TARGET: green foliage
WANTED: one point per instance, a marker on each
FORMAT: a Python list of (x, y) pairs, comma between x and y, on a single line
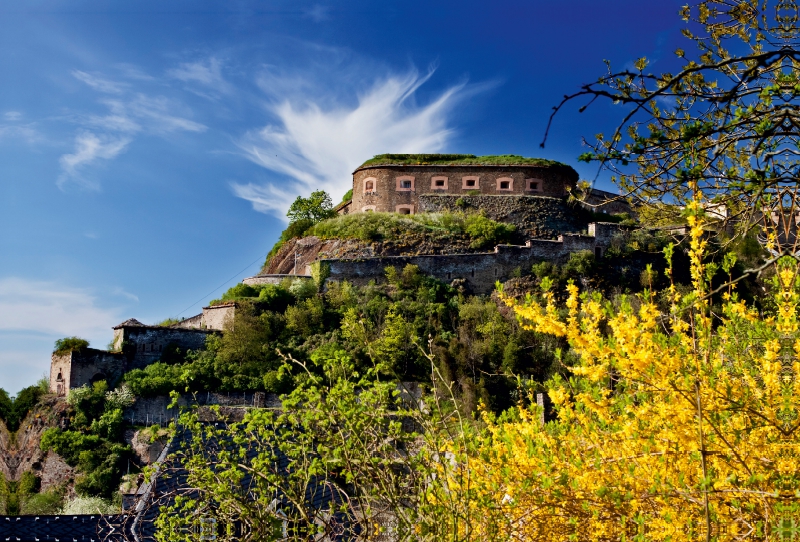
[(88, 403), (486, 232), (168, 322), (457, 159), (240, 291), (13, 410), (316, 207), (43, 504), (580, 264), (384, 226), (274, 297), (99, 461), (348, 196), (43, 384), (270, 296), (28, 484), (320, 271), (70, 344), (89, 505), (302, 288), (6, 405), (155, 379)]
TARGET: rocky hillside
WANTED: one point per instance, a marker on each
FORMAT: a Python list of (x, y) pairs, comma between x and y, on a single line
[(532, 218), (20, 451), (306, 250)]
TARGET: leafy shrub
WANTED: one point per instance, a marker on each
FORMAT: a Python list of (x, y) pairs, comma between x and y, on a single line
[(240, 291), (579, 264), (122, 397), (109, 424), (42, 504), (377, 226), (487, 232), (316, 207), (347, 196), (155, 379), (277, 382), (89, 505), (70, 344), (28, 484), (6, 405), (275, 297), (303, 288), (168, 322), (100, 463), (88, 402), (23, 403)]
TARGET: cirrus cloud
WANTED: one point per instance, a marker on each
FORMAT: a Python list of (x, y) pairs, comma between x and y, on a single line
[(318, 146)]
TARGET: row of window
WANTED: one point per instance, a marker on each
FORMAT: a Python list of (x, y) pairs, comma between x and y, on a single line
[(406, 184), (401, 209)]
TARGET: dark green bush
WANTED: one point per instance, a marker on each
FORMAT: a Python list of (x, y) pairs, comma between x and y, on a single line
[(6, 405), (156, 379), (23, 403), (70, 344), (486, 232), (275, 298)]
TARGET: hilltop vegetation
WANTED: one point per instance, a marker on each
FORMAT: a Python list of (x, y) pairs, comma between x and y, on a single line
[(457, 160)]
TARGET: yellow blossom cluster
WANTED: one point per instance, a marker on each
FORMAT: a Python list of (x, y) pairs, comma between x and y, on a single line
[(672, 424)]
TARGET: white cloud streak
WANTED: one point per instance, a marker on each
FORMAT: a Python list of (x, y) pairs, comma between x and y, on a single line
[(89, 148), (318, 148), (104, 137), (98, 83), (49, 308), (206, 73), (33, 314)]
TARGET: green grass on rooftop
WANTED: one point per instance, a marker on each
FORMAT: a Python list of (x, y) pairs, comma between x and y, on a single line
[(457, 160)]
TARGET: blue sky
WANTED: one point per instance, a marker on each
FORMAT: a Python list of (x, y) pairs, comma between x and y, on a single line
[(148, 150)]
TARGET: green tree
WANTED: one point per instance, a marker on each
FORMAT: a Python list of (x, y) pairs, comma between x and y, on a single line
[(315, 208)]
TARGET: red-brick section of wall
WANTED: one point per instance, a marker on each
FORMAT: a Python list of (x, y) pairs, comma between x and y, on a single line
[(376, 187)]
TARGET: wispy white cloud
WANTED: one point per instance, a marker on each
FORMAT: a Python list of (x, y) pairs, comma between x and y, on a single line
[(33, 314), (12, 116), (50, 308), (104, 137), (318, 146), (98, 83), (89, 148), (26, 133), (207, 73)]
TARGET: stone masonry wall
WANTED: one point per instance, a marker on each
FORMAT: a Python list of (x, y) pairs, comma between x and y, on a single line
[(536, 217), (83, 367), (144, 345), (156, 411), (387, 194), (479, 271)]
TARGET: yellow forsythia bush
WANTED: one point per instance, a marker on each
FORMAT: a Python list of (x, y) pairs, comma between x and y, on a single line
[(671, 426)]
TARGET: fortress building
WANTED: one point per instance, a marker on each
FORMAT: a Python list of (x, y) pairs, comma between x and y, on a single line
[(135, 346), (395, 182)]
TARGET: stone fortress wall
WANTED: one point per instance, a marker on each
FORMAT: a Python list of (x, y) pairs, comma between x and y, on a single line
[(531, 195), (396, 188), (478, 272), (135, 346)]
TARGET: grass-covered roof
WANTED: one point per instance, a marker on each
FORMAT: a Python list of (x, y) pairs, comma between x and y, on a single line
[(456, 160)]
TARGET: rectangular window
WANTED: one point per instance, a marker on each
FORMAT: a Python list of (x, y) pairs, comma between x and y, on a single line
[(405, 183), (505, 185)]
